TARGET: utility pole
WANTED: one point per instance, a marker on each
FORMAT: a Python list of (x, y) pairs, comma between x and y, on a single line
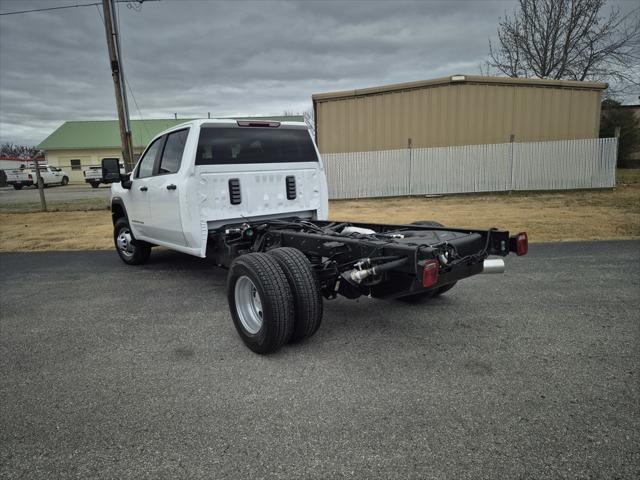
[(115, 59)]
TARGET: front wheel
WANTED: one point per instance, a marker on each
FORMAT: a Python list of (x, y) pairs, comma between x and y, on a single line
[(260, 301), (130, 250), (17, 187), (95, 184), (65, 181)]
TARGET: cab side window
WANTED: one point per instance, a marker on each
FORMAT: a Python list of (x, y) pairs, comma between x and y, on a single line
[(145, 169), (172, 154)]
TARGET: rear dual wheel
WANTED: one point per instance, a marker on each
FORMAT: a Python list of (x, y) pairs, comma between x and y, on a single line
[(307, 299), (274, 298), (260, 301)]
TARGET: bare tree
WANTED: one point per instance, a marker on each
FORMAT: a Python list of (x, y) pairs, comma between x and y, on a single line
[(568, 39), (616, 117), (9, 150)]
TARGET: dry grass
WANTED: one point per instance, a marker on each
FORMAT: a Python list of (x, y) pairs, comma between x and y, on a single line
[(56, 231), (546, 217), (554, 216), (56, 206)]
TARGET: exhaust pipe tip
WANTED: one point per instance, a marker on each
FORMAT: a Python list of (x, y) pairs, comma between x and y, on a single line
[(493, 265)]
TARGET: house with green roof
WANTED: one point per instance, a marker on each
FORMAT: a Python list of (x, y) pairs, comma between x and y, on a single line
[(78, 145)]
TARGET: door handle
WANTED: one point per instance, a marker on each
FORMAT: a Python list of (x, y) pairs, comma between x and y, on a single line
[(171, 187), (143, 189)]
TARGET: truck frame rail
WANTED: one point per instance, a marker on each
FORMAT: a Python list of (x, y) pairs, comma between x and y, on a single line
[(378, 260)]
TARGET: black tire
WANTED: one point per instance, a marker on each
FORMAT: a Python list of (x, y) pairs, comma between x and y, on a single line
[(65, 181), (276, 313), (428, 223), (17, 187), (307, 299), (139, 251), (95, 184), (419, 297)]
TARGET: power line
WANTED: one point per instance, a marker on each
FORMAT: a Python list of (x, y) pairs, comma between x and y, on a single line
[(133, 97), (71, 6), (49, 8), (126, 80)]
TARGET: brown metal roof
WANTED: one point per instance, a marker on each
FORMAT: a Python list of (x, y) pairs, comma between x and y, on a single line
[(462, 79)]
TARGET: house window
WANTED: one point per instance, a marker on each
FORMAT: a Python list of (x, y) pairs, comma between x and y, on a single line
[(76, 165)]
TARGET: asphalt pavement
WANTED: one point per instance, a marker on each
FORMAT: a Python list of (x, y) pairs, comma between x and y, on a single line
[(114, 371)]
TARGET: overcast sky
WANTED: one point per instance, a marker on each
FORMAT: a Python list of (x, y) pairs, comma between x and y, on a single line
[(227, 58)]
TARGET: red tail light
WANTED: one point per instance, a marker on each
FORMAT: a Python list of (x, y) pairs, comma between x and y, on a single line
[(430, 273), (522, 244), (30, 177)]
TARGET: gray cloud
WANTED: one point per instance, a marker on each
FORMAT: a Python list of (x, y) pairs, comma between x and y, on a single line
[(227, 58)]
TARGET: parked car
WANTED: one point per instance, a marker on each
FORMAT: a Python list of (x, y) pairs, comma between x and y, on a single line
[(25, 177), (93, 175), (252, 195)]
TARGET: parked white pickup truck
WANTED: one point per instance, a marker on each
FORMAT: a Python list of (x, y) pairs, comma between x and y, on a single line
[(252, 195), (25, 177), (93, 175)]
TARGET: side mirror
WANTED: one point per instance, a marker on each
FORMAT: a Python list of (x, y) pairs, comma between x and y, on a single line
[(111, 170), (126, 181)]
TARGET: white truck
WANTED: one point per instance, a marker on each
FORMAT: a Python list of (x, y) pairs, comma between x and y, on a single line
[(25, 177), (252, 195), (93, 174)]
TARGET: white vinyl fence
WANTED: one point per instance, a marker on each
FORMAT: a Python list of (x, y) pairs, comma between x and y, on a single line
[(560, 165)]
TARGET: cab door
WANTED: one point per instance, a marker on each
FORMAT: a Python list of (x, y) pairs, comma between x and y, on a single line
[(165, 191), (138, 209)]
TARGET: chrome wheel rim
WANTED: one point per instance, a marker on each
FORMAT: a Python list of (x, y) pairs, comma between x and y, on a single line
[(124, 241), (248, 305)]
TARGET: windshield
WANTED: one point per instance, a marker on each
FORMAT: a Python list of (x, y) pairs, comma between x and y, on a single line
[(218, 146)]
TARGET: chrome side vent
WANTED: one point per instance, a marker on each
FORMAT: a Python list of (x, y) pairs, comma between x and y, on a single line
[(291, 187), (234, 191)]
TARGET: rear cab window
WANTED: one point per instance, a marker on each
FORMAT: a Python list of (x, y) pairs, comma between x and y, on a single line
[(172, 153), (241, 145)]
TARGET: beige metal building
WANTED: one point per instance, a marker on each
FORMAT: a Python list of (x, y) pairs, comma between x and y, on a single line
[(456, 110)]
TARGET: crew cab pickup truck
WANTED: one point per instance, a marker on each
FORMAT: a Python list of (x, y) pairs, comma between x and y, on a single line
[(253, 197), (25, 177), (93, 175)]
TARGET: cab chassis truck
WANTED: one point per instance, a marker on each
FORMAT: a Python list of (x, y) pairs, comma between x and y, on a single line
[(252, 195)]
